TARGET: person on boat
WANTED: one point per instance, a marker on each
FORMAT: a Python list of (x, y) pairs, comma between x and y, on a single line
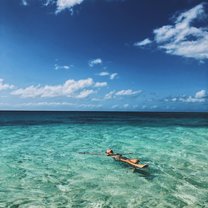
[(119, 157)]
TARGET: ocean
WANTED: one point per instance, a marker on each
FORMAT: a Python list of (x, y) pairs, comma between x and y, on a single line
[(41, 164)]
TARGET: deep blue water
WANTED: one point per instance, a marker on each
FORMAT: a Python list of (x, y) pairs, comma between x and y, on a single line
[(125, 118)]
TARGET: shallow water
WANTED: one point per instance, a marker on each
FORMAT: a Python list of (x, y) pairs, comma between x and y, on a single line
[(41, 166)]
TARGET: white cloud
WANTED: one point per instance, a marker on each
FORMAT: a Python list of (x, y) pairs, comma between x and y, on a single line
[(53, 104), (90, 106), (146, 41), (104, 73), (201, 94), (47, 2), (60, 4), (95, 62), (66, 4), (96, 99), (4, 86), (191, 99), (109, 95), (71, 88), (57, 67), (85, 93), (182, 38), (45, 104), (129, 92), (126, 105), (24, 3), (101, 84), (199, 97), (113, 76)]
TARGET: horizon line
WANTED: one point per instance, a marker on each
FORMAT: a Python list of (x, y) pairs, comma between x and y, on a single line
[(104, 111)]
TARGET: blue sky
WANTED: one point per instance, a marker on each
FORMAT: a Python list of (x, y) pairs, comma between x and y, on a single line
[(116, 55)]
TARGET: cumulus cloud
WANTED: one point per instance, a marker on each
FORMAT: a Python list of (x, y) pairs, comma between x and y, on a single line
[(66, 4), (201, 94), (84, 93), (61, 5), (129, 92), (183, 37), (199, 97), (71, 88), (145, 42), (95, 62), (4, 86)]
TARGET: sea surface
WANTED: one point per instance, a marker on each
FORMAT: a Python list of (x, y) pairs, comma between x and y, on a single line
[(41, 164)]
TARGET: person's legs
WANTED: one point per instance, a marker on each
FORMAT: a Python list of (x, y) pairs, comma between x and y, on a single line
[(128, 159), (124, 159), (134, 160)]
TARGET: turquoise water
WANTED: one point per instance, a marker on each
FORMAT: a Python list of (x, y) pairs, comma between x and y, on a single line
[(41, 167)]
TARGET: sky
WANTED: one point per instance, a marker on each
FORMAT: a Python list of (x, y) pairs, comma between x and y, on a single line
[(104, 55)]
